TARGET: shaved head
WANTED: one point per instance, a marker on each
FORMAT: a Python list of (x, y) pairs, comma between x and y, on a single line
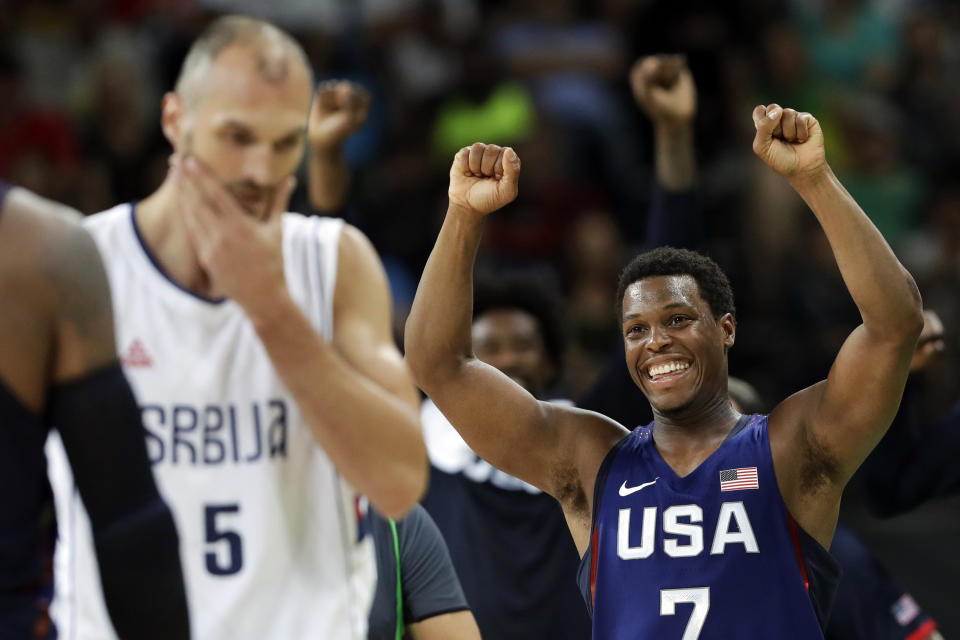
[(275, 50), (241, 105)]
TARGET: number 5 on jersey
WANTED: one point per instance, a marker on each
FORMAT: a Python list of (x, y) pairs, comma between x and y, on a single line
[(217, 530), (699, 597)]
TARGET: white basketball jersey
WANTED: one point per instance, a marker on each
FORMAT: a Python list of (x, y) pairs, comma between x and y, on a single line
[(271, 538), (450, 453)]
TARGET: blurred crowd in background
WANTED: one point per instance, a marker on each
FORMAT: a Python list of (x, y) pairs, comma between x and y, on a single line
[(81, 83)]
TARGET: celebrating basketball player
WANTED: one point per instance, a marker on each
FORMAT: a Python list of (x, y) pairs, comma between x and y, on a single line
[(259, 345), (705, 524), (59, 369)]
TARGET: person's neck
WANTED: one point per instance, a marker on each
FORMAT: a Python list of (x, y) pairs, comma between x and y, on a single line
[(688, 436), (164, 232)]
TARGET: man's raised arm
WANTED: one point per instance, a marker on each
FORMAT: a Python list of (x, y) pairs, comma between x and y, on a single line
[(664, 89), (541, 443), (822, 434), (339, 109)]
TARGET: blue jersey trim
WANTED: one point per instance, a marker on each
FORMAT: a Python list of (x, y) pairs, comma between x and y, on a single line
[(156, 263), (737, 428)]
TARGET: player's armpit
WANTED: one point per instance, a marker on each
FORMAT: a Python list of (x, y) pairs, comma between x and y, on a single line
[(456, 625), (820, 435), (861, 396)]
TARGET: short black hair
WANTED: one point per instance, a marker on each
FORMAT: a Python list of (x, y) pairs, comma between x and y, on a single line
[(669, 261), (530, 293)]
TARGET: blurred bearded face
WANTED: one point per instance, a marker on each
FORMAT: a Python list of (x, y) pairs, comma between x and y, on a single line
[(510, 340), (248, 123)]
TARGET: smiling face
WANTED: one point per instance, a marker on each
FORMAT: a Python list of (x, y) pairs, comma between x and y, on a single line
[(676, 350), (247, 121)]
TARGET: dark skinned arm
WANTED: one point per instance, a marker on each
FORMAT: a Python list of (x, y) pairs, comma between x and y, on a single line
[(820, 435), (558, 449)]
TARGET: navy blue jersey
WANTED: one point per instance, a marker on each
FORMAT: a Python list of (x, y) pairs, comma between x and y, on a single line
[(711, 556)]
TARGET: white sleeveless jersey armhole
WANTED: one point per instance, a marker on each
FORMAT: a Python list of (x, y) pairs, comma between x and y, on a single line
[(272, 540)]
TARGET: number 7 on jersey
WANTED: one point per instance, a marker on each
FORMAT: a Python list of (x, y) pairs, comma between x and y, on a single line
[(698, 596)]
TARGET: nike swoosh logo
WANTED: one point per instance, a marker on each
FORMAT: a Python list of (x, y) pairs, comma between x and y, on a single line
[(625, 490)]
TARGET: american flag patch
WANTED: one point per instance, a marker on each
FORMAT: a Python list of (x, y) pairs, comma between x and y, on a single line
[(737, 479), (905, 610)]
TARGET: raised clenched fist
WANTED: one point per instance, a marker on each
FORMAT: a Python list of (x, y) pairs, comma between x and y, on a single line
[(791, 143), (663, 87), (339, 109), (483, 178)]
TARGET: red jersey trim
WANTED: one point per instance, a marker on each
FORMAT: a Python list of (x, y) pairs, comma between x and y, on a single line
[(798, 550), (923, 630)]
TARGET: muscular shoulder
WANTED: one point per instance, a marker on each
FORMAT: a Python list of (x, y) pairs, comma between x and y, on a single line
[(361, 279), (357, 252), (69, 266), (30, 210), (37, 237), (51, 265)]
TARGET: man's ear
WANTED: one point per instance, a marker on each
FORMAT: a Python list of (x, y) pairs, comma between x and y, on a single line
[(172, 117), (729, 328)]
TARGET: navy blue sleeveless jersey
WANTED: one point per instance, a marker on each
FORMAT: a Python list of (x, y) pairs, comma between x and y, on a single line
[(711, 556)]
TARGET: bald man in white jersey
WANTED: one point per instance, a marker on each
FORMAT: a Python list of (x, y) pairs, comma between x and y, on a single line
[(259, 345)]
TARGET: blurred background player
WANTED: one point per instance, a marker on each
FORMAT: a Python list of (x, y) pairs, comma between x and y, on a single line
[(259, 343), (923, 454), (418, 594), (677, 345), (59, 370)]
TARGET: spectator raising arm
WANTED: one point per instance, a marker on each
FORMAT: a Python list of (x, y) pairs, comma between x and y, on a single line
[(339, 109)]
